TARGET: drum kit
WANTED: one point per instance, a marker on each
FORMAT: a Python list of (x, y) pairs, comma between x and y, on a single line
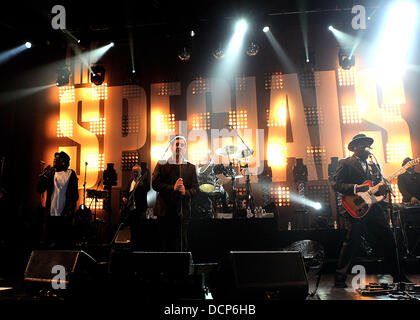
[(210, 184)]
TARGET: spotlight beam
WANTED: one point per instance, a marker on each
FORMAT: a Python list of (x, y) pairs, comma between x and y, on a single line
[(304, 201), (281, 54), (304, 27), (394, 44), (93, 56), (131, 45), (231, 59), (19, 94), (6, 55)]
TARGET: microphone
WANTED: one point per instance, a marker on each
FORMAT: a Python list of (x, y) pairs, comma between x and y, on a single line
[(368, 149)]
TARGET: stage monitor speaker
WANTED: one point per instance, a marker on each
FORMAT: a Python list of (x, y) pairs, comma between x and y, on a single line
[(267, 275), (144, 263), (44, 265)]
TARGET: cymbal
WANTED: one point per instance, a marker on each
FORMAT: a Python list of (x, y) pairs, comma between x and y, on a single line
[(245, 153), (227, 150)]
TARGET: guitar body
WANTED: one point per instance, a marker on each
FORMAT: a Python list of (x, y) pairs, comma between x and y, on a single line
[(355, 205)]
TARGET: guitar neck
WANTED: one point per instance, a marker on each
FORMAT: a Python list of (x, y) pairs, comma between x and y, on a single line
[(390, 178)]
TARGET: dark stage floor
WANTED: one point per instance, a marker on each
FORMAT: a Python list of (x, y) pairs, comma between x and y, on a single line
[(12, 289)]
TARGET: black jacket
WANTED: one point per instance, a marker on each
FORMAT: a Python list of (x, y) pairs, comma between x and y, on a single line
[(409, 185), (46, 183), (350, 172), (140, 194), (163, 180)]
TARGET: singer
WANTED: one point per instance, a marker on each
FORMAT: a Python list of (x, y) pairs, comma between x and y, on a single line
[(175, 181), (348, 178), (61, 184)]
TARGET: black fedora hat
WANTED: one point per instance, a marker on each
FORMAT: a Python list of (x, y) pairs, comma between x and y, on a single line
[(359, 139)]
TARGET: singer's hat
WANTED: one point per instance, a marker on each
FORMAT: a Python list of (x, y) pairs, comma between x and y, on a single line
[(360, 139)]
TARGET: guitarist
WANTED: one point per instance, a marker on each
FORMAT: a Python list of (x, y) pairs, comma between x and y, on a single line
[(61, 184), (134, 199), (348, 179), (409, 184)]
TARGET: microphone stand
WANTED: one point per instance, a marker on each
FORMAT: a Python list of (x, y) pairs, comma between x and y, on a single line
[(180, 157), (249, 197), (390, 208)]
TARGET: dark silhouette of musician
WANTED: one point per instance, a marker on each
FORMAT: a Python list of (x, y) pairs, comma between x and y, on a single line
[(134, 200), (61, 184), (175, 181), (348, 179), (409, 184)]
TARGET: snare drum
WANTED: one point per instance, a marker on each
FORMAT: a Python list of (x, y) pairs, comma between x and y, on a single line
[(207, 182)]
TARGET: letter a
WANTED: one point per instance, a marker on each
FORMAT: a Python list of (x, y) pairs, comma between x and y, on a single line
[(58, 281), (358, 281), (58, 21)]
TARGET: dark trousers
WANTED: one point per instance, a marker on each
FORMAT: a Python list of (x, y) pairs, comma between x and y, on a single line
[(376, 225), (59, 232), (135, 220), (171, 231)]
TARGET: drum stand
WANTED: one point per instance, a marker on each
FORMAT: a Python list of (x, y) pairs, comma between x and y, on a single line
[(249, 196)]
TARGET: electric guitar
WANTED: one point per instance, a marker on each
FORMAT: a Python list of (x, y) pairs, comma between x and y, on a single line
[(130, 201), (359, 205)]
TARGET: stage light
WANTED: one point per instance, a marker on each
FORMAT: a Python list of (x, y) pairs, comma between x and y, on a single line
[(241, 26), (166, 122), (346, 77), (219, 53), (280, 195), (99, 92), (276, 154), (192, 33), (67, 94), (396, 152), (63, 76), (201, 121), (98, 126), (78, 40), (351, 114), (133, 71), (112, 44), (98, 75), (266, 29), (252, 49), (391, 113), (394, 44), (238, 119), (91, 203), (96, 162), (331, 28), (65, 128), (346, 60), (317, 206), (28, 45), (184, 54), (398, 195), (307, 60)]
